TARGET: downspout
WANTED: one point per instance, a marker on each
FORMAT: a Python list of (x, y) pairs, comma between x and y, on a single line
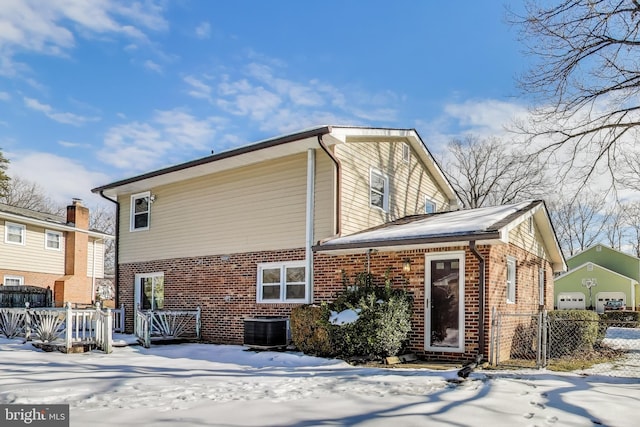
[(311, 172), (336, 161), (481, 283), (93, 273), (116, 267)]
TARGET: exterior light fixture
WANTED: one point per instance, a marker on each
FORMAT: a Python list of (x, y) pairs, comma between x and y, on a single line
[(406, 266)]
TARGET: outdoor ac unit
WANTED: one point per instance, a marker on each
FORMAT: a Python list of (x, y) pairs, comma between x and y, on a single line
[(266, 332)]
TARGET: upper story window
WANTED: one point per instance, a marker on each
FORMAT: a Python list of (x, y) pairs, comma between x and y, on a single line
[(282, 282), (429, 206), (13, 280), (140, 211), (378, 190), (14, 233), (511, 280), (53, 240), (406, 152)]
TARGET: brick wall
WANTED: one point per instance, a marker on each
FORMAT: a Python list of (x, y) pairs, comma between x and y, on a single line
[(223, 286)]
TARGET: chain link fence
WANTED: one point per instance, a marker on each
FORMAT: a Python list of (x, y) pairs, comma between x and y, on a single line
[(537, 340)]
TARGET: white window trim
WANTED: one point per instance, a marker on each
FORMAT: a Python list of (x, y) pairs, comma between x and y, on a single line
[(385, 195), (18, 278), (429, 200), (283, 285), (512, 282), (136, 291), (460, 255), (541, 277), (46, 240), (406, 152), (132, 211), (23, 233)]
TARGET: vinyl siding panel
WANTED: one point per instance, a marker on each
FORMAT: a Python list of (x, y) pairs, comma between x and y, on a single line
[(409, 184), (32, 256), (325, 197), (532, 242), (258, 207), (95, 269)]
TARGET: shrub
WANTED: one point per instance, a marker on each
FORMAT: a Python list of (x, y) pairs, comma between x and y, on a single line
[(309, 330), (623, 319), (573, 331), (382, 328)]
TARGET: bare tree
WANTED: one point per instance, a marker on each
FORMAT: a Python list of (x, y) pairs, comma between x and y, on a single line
[(586, 77), (580, 221), (4, 178), (615, 228), (29, 195), (631, 217), (488, 172)]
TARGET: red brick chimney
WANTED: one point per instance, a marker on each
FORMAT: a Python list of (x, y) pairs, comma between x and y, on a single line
[(75, 286)]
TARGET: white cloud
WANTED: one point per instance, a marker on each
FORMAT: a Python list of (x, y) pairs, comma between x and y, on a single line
[(60, 117), (164, 139), (150, 65), (60, 177), (4, 96), (197, 88), (47, 26), (69, 144), (203, 31)]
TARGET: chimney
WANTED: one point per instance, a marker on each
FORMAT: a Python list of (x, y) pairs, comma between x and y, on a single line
[(78, 215)]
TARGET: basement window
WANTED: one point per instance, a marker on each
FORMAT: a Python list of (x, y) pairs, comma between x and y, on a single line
[(13, 280), (140, 211)]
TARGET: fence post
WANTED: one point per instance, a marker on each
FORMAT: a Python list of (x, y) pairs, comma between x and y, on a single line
[(108, 332), (68, 328), (545, 331), (198, 323), (539, 339), (27, 322)]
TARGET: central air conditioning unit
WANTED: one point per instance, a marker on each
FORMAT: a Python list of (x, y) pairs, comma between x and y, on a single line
[(266, 332)]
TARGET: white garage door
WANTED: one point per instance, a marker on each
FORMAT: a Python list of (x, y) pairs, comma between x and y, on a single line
[(571, 301), (602, 297)]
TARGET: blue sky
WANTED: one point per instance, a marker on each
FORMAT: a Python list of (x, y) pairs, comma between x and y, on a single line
[(92, 92)]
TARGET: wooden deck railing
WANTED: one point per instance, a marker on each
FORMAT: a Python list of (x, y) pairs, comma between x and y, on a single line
[(154, 325)]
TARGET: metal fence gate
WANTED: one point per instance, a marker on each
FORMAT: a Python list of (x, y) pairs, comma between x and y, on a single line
[(537, 340)]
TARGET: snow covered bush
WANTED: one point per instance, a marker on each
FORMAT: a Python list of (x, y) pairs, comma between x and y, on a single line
[(365, 320)]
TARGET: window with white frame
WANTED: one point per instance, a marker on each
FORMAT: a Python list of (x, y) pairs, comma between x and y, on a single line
[(378, 190), (14, 233), (429, 205), (53, 240), (406, 152), (511, 280), (282, 282), (140, 211), (13, 280)]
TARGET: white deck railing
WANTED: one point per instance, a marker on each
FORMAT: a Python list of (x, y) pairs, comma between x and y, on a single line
[(167, 324), (64, 326)]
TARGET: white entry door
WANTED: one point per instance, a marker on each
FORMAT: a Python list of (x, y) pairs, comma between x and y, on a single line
[(444, 301), (149, 291)]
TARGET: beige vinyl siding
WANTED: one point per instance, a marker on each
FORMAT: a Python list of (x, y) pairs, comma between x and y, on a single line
[(409, 184), (257, 207), (325, 197), (531, 242), (32, 256), (95, 269)]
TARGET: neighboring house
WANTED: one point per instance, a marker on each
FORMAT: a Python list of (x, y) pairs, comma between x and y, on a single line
[(258, 230), (44, 250), (596, 275)]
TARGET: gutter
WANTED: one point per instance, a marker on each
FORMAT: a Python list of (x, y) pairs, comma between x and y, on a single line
[(310, 208), (116, 267), (481, 286)]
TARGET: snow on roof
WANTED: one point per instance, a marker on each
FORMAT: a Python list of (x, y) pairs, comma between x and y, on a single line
[(455, 223)]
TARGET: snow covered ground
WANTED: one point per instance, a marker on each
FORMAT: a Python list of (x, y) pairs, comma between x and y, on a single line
[(218, 385)]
